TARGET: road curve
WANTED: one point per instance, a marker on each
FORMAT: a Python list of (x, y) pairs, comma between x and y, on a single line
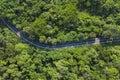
[(65, 45)]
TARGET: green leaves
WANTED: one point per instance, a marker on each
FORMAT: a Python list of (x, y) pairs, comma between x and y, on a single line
[(21, 47), (60, 21), (52, 22)]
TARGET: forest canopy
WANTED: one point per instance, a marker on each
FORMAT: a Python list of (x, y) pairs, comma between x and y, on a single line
[(60, 21)]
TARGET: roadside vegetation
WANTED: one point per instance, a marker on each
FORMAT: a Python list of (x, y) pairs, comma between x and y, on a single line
[(60, 21), (20, 61), (57, 21)]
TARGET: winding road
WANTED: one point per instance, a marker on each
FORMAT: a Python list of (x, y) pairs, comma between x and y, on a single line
[(65, 45)]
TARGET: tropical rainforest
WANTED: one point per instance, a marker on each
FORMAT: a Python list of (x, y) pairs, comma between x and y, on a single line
[(57, 22)]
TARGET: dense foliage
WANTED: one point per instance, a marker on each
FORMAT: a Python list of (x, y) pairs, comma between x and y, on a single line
[(20, 61), (60, 21)]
